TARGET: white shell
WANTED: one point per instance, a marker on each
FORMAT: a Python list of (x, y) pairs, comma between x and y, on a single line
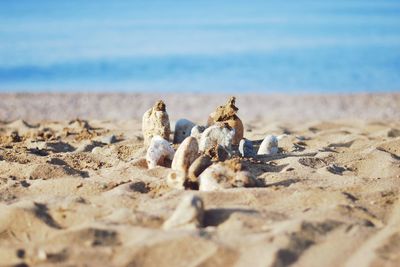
[(269, 146), (214, 135), (186, 153), (189, 214), (183, 129), (158, 151)]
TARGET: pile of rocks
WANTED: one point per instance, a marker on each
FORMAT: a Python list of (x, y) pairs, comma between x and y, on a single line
[(207, 157)]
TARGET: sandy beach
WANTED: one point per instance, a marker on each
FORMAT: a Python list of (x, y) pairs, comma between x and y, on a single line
[(75, 189)]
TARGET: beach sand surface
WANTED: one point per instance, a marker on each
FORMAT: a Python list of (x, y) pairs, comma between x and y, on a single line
[(69, 196)]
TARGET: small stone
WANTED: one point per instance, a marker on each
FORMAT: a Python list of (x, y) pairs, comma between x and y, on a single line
[(198, 166), (103, 186), (216, 135), (197, 131), (223, 175), (269, 146), (159, 152), (183, 129), (186, 153), (156, 122), (111, 139), (188, 214), (302, 138), (42, 255), (246, 148), (95, 150), (21, 253), (88, 146)]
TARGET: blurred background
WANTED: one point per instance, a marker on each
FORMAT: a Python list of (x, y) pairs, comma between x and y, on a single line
[(200, 46)]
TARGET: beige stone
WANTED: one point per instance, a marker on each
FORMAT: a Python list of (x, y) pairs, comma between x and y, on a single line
[(186, 153), (156, 122)]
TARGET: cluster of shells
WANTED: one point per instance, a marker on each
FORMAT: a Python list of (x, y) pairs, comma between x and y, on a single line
[(207, 157)]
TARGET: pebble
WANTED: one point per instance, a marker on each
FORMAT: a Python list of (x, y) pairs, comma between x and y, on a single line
[(189, 214), (155, 122), (216, 135), (246, 148), (110, 139), (159, 152), (87, 146), (186, 153), (183, 129), (269, 146), (95, 150), (198, 166)]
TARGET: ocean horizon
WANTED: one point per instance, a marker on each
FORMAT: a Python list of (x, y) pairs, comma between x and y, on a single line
[(207, 46)]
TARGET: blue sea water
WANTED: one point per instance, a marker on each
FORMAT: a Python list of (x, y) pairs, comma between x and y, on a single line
[(200, 46)]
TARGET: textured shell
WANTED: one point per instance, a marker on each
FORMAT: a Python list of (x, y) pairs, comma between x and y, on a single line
[(155, 122), (159, 152), (219, 176), (182, 130), (189, 214), (269, 146), (216, 135), (186, 153)]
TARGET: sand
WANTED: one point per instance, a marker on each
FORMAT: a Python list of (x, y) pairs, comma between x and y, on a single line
[(70, 197)]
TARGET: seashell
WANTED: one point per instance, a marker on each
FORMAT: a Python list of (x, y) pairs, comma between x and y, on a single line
[(216, 135), (189, 214), (176, 179), (159, 152), (197, 131), (225, 175), (198, 166), (246, 148), (183, 129), (186, 153), (269, 146), (156, 122), (227, 114)]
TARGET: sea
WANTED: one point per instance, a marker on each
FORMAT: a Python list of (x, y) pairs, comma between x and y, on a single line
[(293, 46)]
